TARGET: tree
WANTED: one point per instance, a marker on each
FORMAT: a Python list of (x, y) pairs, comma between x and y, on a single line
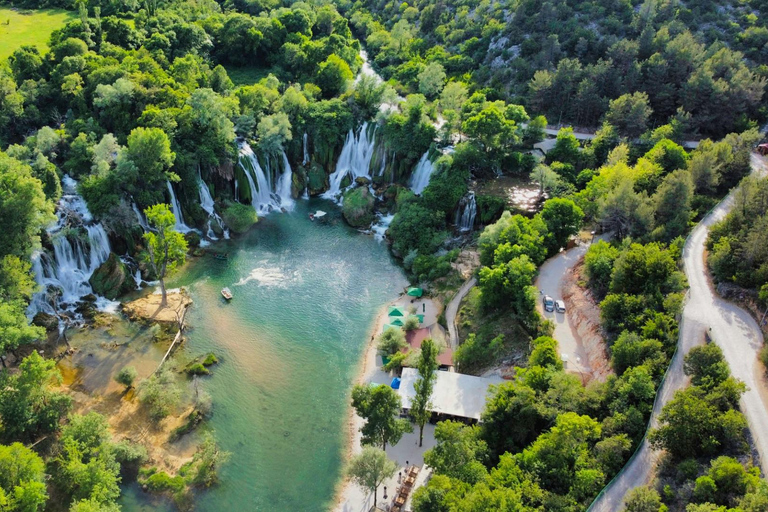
[(459, 452), (644, 499), (22, 479), (673, 205), (706, 365), (598, 264), (126, 376), (391, 341), (166, 247), (24, 210), (160, 394), (432, 80), (511, 419), (626, 212), (333, 76), (380, 407), (274, 131), (563, 219), (421, 407), (370, 468), (509, 284), (629, 113), (144, 164), (566, 148)]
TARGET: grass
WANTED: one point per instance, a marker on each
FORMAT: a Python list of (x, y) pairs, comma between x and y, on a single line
[(247, 75), (33, 28)]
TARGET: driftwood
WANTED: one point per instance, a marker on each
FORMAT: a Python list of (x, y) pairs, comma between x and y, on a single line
[(175, 340)]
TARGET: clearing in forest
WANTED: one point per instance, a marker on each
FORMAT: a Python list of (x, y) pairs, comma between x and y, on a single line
[(19, 27)]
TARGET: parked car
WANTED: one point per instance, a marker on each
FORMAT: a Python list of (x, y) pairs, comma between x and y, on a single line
[(560, 306), (549, 303)]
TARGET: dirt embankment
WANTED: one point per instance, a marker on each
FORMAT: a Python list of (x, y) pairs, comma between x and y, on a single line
[(584, 316)]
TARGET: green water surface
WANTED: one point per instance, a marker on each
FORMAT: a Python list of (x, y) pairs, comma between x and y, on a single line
[(305, 297)]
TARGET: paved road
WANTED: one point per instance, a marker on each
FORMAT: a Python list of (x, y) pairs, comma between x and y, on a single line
[(550, 282), (453, 308), (548, 144), (735, 332)]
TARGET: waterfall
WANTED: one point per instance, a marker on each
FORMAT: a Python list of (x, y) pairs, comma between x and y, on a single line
[(421, 174), (207, 204), (180, 226), (261, 189), (355, 159), (465, 217), (285, 184), (140, 217), (306, 150), (75, 255), (379, 228)]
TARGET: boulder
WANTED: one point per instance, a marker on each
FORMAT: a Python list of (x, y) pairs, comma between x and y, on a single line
[(358, 207), (112, 278), (50, 322)]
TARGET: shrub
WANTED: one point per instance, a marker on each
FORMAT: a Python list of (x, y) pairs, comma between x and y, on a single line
[(239, 217), (411, 323), (126, 376), (197, 369), (160, 394), (391, 341)]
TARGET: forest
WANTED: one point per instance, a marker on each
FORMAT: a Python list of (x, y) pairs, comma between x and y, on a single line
[(137, 104)]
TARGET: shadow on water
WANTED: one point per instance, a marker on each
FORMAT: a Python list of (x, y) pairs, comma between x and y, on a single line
[(305, 296)]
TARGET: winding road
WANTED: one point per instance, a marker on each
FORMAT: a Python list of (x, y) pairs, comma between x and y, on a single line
[(453, 309), (733, 329)]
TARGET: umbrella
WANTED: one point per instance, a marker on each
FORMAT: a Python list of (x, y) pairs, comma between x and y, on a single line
[(395, 311), (415, 292), (397, 322)]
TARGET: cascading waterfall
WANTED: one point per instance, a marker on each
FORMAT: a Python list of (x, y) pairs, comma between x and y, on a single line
[(305, 161), (421, 174), (207, 204), (380, 227), (267, 194), (74, 257), (180, 225), (355, 159), (465, 216), (140, 217)]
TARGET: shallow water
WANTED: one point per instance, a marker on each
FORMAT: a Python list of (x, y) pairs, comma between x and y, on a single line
[(305, 297)]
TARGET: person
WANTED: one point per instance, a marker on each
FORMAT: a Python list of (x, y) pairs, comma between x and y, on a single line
[(399, 476)]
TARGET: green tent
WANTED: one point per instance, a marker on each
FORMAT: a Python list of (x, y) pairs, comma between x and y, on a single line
[(415, 292), (397, 322), (395, 311), (421, 318)]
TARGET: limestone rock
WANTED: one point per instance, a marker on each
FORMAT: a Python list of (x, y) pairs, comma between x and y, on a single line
[(358, 207)]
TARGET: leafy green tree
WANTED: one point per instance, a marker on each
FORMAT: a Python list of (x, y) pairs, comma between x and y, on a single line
[(145, 163), (563, 219), (644, 499), (421, 406), (166, 247), (390, 341), (509, 284), (566, 148), (511, 419), (598, 264), (380, 407), (22, 479), (673, 205), (432, 80), (459, 452), (706, 365), (28, 406), (370, 468), (333, 76), (160, 394), (127, 376), (644, 269), (629, 113), (626, 212), (274, 131), (23, 208)]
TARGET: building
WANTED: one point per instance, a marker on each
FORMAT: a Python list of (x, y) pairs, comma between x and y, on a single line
[(455, 395)]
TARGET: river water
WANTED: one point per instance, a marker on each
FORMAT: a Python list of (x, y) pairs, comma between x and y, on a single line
[(305, 298)]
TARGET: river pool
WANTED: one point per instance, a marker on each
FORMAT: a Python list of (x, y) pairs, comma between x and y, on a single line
[(305, 298)]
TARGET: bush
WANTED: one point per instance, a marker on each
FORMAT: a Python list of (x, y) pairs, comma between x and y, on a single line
[(239, 217), (160, 394), (489, 208), (391, 341), (126, 376), (411, 323), (197, 369)]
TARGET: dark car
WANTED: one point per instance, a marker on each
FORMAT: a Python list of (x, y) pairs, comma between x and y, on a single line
[(549, 303)]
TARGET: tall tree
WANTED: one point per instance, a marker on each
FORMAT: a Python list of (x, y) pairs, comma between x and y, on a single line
[(166, 247), (380, 407), (370, 468), (421, 406), (22, 479)]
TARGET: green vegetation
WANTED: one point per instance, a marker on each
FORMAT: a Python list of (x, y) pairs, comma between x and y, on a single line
[(127, 376), (166, 248), (29, 28), (380, 407), (370, 468)]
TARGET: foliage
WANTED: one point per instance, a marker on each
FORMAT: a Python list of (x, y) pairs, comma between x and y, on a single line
[(370, 468), (22, 479), (160, 394), (166, 247), (239, 217), (126, 376), (421, 406), (391, 341), (380, 407)]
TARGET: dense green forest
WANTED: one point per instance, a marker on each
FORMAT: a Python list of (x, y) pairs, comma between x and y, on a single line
[(138, 98)]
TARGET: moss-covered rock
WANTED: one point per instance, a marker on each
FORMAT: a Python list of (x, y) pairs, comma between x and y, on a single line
[(240, 217), (112, 279), (317, 180), (358, 207), (48, 321)]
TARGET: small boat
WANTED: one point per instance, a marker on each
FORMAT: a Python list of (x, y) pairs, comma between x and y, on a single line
[(226, 293), (318, 214), (221, 256)]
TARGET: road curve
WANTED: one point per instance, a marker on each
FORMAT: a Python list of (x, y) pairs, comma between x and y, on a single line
[(550, 282), (453, 308), (734, 330)]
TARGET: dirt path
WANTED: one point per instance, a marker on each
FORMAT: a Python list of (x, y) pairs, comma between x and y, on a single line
[(734, 330), (453, 308)]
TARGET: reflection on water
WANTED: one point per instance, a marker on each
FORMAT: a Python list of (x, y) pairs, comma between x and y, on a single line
[(289, 343), (519, 193)]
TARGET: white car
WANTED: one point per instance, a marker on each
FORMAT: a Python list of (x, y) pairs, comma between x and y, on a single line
[(549, 303), (560, 306)]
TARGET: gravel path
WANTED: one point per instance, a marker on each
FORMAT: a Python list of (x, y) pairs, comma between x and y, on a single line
[(734, 330)]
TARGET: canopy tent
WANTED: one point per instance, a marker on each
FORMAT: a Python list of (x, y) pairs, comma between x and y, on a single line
[(420, 317), (397, 322), (395, 311), (415, 292), (395, 383)]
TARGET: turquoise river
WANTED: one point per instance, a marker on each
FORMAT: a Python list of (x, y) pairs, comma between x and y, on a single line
[(305, 298)]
